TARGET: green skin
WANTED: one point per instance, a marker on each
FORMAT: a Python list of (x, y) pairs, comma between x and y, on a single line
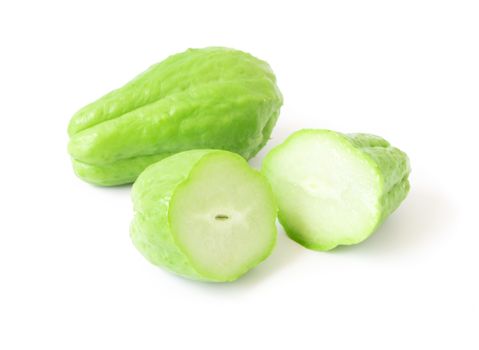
[(202, 98), (153, 195), (390, 164)]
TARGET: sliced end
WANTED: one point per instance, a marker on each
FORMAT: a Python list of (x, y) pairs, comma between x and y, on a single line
[(327, 190), (223, 217)]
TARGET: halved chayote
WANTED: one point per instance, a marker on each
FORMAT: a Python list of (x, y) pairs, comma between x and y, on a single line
[(335, 189), (204, 214), (202, 98)]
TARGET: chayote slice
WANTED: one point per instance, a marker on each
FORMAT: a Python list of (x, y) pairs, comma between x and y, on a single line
[(204, 214), (333, 188), (215, 97)]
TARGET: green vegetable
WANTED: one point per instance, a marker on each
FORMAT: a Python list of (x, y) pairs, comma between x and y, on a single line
[(335, 189), (202, 98), (204, 214)]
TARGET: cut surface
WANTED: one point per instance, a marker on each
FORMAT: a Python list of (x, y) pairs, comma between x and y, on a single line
[(328, 191), (223, 217)]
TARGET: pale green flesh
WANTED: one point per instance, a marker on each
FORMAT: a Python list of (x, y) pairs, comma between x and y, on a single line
[(204, 214), (329, 189), (221, 217)]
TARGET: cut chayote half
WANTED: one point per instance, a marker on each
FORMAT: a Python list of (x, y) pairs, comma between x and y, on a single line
[(202, 98), (204, 214), (335, 189)]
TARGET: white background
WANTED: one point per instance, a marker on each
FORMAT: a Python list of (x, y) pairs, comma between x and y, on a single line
[(407, 70)]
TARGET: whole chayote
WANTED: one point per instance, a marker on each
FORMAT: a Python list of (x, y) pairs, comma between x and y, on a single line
[(216, 98)]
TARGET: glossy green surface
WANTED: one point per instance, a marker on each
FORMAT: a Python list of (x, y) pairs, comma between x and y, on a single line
[(204, 214), (202, 98)]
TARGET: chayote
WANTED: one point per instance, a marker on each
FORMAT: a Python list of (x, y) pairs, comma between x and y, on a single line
[(214, 97), (204, 214), (335, 189)]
